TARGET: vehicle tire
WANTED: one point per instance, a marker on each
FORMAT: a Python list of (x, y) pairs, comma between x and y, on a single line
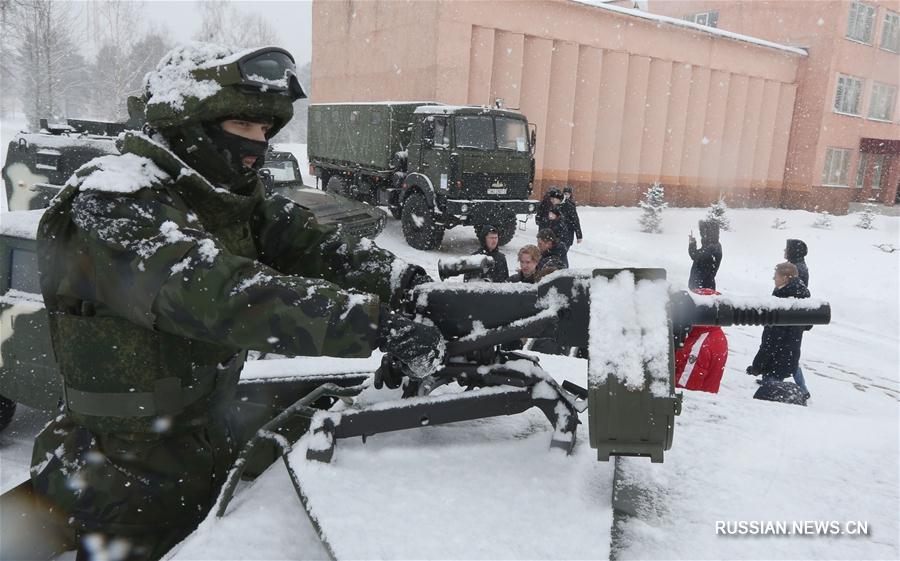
[(338, 185), (420, 227), (7, 410), (394, 206), (507, 227)]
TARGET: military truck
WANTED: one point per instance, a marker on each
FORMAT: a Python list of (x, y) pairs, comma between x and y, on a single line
[(38, 164), (434, 166)]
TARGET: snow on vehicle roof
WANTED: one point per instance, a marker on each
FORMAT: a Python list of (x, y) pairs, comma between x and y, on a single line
[(660, 19), (65, 141), (173, 81), (428, 102), (21, 223)]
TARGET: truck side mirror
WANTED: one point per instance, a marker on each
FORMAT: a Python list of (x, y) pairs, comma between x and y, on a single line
[(533, 139)]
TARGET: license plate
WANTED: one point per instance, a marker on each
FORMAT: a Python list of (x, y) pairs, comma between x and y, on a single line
[(496, 191)]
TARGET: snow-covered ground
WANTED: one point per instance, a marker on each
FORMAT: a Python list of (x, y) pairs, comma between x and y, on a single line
[(491, 489)]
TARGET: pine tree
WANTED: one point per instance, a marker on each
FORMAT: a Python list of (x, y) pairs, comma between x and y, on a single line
[(823, 220), (653, 205), (779, 224), (717, 213), (867, 217)]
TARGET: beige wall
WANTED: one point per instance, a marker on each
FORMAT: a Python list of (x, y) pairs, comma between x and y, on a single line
[(820, 27), (619, 101)]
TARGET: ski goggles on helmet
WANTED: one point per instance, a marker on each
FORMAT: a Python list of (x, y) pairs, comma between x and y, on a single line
[(269, 69)]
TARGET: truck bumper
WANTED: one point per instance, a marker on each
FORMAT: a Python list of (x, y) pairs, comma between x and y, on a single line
[(485, 211)]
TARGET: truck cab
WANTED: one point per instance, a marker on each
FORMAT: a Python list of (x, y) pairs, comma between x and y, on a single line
[(479, 162)]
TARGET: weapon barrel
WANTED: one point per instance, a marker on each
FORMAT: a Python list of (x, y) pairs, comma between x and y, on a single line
[(712, 310)]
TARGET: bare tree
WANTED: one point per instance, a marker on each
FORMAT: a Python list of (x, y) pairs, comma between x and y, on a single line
[(45, 57), (116, 74), (222, 23)]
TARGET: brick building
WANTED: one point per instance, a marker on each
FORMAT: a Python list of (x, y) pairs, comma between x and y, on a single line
[(621, 98)]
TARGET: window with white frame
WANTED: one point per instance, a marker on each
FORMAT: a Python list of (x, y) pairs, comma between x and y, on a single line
[(837, 166), (890, 32), (848, 95), (710, 19), (861, 169), (861, 22), (881, 104), (877, 170)]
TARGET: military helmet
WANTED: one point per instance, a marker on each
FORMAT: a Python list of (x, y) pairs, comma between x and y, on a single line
[(202, 82)]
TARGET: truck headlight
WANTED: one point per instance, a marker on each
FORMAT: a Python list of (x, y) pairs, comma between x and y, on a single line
[(530, 208), (464, 208)]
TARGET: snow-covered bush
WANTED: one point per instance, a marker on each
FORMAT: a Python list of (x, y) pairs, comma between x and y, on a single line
[(867, 217), (718, 213), (823, 220), (653, 205), (779, 224)]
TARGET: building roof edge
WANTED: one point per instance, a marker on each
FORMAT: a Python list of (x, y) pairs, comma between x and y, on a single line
[(692, 26)]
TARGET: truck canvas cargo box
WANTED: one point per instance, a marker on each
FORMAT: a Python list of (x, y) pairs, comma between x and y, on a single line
[(349, 134)]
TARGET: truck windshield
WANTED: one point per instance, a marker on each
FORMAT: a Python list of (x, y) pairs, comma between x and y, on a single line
[(281, 170), (475, 132), (512, 134)]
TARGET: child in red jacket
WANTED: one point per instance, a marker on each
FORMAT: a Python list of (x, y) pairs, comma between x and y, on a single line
[(700, 363)]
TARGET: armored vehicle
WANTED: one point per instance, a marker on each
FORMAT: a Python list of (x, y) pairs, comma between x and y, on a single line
[(435, 166), (38, 164)]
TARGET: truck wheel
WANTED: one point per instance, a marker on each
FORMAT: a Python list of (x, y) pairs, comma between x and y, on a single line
[(338, 185), (7, 409), (507, 227), (419, 225), (394, 205)]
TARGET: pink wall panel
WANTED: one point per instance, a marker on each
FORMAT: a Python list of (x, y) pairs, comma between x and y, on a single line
[(507, 68), (536, 61), (659, 86), (481, 62), (560, 113), (676, 123)]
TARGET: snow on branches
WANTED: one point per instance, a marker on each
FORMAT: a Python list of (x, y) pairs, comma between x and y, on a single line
[(718, 213), (652, 205)]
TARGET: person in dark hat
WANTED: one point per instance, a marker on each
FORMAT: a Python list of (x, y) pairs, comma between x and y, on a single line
[(553, 252), (560, 227), (489, 237), (795, 252), (553, 197), (706, 259), (570, 213)]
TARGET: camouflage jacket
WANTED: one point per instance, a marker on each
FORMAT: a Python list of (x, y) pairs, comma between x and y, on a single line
[(142, 237)]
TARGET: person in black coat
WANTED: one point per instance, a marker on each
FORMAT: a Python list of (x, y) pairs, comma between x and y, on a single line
[(551, 199), (561, 228), (490, 246), (570, 213), (553, 253), (706, 259), (779, 351), (529, 256), (795, 252)]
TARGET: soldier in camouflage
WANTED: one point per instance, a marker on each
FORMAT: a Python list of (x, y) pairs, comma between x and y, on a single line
[(160, 268)]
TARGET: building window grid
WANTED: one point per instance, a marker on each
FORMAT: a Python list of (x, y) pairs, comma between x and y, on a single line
[(861, 169), (877, 170), (837, 167), (848, 95), (861, 23), (709, 19), (881, 102), (890, 32)]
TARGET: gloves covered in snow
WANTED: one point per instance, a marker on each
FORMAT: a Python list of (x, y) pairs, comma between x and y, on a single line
[(419, 347)]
